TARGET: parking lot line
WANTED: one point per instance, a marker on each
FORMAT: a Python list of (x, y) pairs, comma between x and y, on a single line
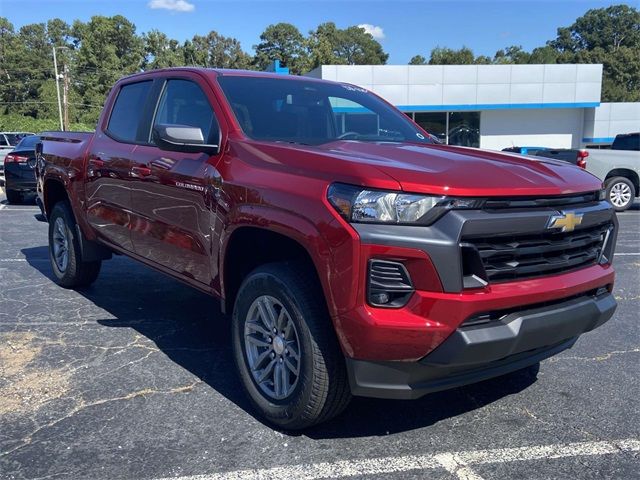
[(626, 254), (458, 463), (12, 209)]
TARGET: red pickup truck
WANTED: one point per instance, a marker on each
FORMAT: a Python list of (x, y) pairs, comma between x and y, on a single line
[(355, 254)]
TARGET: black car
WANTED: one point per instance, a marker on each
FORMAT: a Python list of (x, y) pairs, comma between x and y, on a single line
[(19, 172)]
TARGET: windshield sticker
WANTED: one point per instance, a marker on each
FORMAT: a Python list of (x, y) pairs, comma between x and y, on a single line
[(353, 88), (420, 136)]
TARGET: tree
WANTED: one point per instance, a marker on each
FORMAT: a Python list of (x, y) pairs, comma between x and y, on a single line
[(161, 51), (418, 60), (608, 28), (448, 56), (331, 45), (357, 47), (513, 54), (283, 42), (610, 36), (107, 49), (323, 45), (216, 51)]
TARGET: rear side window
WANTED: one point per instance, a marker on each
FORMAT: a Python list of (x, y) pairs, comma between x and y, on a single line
[(128, 111), (29, 142), (627, 142), (184, 103)]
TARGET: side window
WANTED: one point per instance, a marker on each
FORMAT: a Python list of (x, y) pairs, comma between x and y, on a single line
[(184, 103), (128, 111), (627, 142), (3, 141)]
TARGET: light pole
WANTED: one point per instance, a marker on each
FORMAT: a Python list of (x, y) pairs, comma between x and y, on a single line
[(55, 67)]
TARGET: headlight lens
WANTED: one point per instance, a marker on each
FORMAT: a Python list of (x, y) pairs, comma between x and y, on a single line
[(360, 205)]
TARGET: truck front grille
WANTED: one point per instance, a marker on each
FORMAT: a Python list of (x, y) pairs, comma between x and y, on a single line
[(516, 257)]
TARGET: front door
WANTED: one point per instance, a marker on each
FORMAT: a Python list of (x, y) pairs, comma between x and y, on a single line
[(173, 204)]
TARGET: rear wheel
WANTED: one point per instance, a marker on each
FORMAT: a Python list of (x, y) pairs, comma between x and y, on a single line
[(14, 197), (64, 250), (285, 348), (620, 193)]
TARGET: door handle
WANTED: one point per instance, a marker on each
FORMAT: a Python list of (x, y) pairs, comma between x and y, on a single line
[(138, 171)]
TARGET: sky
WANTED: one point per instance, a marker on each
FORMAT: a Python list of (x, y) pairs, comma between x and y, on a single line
[(404, 28)]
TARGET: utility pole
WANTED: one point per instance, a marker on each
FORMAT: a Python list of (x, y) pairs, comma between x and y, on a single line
[(55, 67), (65, 97)]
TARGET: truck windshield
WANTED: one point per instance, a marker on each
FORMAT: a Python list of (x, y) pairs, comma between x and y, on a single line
[(313, 113)]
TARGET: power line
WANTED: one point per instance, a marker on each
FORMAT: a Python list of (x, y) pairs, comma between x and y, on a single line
[(45, 102)]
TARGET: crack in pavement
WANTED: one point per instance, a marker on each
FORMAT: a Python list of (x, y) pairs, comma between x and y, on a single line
[(27, 440)]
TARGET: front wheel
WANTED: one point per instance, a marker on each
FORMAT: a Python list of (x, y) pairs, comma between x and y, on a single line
[(69, 269), (620, 193), (285, 348)]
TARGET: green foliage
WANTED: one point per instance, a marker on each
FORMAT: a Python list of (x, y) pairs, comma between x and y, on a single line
[(610, 36), (215, 51), (448, 56), (100, 51), (23, 123), (161, 51), (608, 28), (283, 42), (330, 45)]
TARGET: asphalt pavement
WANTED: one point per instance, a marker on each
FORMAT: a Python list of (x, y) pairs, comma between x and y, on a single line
[(133, 378)]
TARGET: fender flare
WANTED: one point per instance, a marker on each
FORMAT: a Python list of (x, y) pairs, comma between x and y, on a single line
[(289, 224)]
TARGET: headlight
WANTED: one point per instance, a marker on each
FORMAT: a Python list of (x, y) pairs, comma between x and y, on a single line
[(359, 205)]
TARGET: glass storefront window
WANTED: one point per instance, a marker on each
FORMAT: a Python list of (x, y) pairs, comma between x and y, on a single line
[(464, 129), (433, 122), (453, 128)]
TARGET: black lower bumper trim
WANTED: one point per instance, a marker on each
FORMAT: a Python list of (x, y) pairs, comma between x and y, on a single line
[(472, 354)]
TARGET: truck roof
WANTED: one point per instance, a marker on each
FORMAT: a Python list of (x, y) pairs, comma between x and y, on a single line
[(229, 72)]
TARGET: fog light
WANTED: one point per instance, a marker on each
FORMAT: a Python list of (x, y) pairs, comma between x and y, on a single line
[(380, 298), (389, 284)]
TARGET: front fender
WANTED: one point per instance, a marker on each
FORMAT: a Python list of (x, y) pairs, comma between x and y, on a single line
[(317, 242)]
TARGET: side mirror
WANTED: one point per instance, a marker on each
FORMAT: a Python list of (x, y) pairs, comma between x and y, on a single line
[(181, 138)]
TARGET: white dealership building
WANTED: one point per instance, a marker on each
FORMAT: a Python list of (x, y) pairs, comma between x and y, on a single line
[(498, 106)]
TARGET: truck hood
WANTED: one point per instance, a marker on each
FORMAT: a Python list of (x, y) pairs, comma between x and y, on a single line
[(438, 169)]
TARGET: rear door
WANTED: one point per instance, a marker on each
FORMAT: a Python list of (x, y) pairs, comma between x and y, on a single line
[(110, 162), (173, 204)]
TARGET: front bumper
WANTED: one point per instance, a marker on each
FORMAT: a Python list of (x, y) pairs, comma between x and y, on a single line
[(478, 352), (442, 300)]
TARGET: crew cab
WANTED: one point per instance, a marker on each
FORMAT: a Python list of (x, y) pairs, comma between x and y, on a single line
[(619, 167), (353, 254)]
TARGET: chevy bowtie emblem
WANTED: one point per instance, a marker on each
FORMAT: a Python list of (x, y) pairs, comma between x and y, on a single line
[(567, 221)]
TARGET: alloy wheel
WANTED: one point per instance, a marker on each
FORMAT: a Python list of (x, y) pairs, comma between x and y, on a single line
[(272, 347), (620, 194), (60, 245)]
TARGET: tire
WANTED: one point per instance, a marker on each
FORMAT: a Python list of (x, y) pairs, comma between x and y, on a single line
[(321, 390), (74, 272), (620, 193), (13, 197)]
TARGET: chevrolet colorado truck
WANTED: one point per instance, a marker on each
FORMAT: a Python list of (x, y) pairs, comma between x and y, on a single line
[(354, 255)]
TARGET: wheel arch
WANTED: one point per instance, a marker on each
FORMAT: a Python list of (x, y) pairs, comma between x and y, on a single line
[(53, 192), (628, 174), (249, 246)]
